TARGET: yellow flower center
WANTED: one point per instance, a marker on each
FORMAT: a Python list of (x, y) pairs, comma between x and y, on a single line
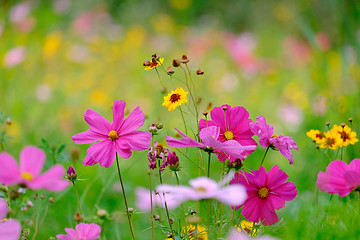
[(229, 135), (201, 189), (27, 176), (175, 97), (274, 135), (263, 192), (113, 135)]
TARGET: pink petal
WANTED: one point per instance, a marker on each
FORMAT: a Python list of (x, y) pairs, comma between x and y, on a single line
[(135, 120), (52, 180), (287, 191), (137, 140), (88, 136), (259, 177), (88, 161), (276, 201), (352, 179), (123, 149), (183, 142), (355, 165), (9, 172), (72, 233), (276, 177), (203, 123), (3, 209), (237, 116), (64, 237), (88, 231), (267, 213), (251, 209), (322, 182), (10, 230), (103, 152), (217, 116), (32, 160), (212, 132), (234, 195), (97, 122), (118, 115)]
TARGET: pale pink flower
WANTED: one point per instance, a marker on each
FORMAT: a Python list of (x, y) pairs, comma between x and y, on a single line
[(14, 56), (266, 192), (143, 201), (210, 142), (340, 178), (82, 231), (206, 188), (32, 160), (10, 229), (267, 138), (237, 235), (119, 137)]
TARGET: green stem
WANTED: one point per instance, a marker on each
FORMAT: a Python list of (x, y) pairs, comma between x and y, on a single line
[(2, 146), (208, 172), (78, 201), (157, 72), (182, 206), (152, 209), (37, 221), (182, 115), (262, 161), (123, 191)]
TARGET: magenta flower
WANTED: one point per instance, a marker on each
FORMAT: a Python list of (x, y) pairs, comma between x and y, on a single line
[(234, 126), (119, 137), (158, 151), (266, 191), (143, 201), (206, 188), (82, 231), (209, 137), (267, 138), (340, 178), (10, 229), (31, 163)]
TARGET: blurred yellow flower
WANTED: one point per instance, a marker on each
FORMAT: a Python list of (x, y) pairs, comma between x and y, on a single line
[(155, 63), (316, 135), (197, 232), (52, 44), (346, 136), (331, 140), (175, 99), (248, 227)]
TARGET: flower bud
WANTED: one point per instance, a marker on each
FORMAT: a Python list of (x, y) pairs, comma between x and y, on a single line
[(159, 148), (153, 129), (156, 217), (170, 71), (200, 72), (327, 123), (350, 120), (74, 154), (184, 59), (101, 213), (342, 125), (71, 173), (146, 63), (159, 125), (155, 56), (51, 199), (24, 209), (205, 113), (130, 210), (78, 217), (8, 121), (237, 164), (176, 62), (173, 161), (171, 220), (42, 196), (29, 204)]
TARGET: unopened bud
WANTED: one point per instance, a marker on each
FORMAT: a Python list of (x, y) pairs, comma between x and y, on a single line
[(146, 63), (171, 220), (350, 120), (170, 71), (153, 129), (156, 217), (200, 72), (237, 164), (159, 125), (74, 154), (71, 173), (184, 59), (192, 212), (198, 100), (24, 209), (205, 113), (29, 204), (342, 125), (317, 147), (78, 217), (209, 106), (156, 56), (51, 199), (101, 213), (327, 123), (169, 235), (42, 196), (35, 196), (173, 161), (8, 121), (130, 210), (225, 108), (176, 62)]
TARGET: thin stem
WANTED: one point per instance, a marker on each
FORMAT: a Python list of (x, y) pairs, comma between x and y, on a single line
[(166, 207), (2, 146), (78, 201), (208, 172), (123, 191), (196, 111), (182, 206), (152, 209), (182, 116), (37, 221), (262, 161), (159, 78)]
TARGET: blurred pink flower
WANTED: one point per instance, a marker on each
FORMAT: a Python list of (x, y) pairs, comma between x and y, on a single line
[(19, 12), (206, 188), (119, 137), (10, 229), (82, 231), (340, 178), (237, 235), (31, 163), (267, 138), (143, 201), (266, 191), (234, 126), (210, 142), (323, 41), (297, 51), (61, 6), (14, 56)]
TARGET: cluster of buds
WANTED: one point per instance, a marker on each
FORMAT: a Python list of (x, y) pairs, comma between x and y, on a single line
[(237, 164), (155, 127)]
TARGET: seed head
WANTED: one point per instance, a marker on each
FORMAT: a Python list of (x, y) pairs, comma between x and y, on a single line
[(200, 72), (176, 62), (146, 63), (184, 59), (170, 71)]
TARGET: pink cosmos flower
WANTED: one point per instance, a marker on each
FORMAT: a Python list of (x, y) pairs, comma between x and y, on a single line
[(237, 235), (210, 142), (340, 178), (267, 138), (119, 137), (14, 56), (143, 201), (10, 229), (266, 191), (31, 162), (206, 188), (82, 231), (234, 126)]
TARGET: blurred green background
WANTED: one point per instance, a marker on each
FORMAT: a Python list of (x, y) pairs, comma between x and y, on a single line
[(294, 62)]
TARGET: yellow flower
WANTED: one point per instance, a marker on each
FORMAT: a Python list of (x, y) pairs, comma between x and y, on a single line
[(331, 140), (346, 135), (155, 63), (197, 232), (248, 227), (175, 99), (316, 135)]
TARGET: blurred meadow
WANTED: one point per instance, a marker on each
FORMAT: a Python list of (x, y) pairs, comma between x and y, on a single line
[(294, 62)]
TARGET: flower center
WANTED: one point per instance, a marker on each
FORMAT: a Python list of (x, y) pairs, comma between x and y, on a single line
[(274, 135), (201, 189), (27, 176), (174, 97), (113, 135), (229, 135), (263, 192)]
